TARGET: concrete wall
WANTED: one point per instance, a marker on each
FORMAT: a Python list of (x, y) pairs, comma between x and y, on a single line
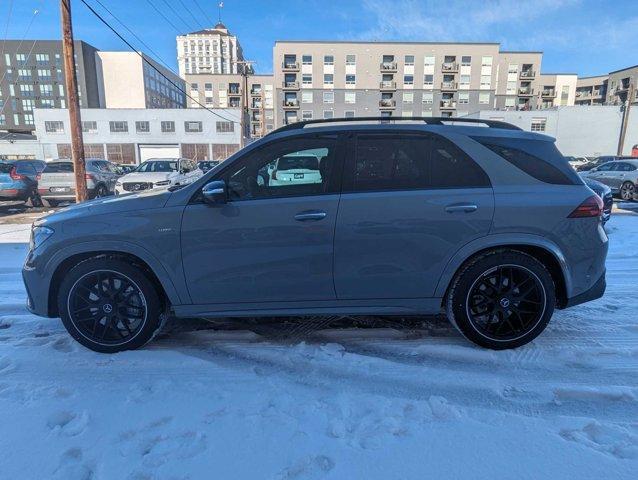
[(579, 130), (121, 80)]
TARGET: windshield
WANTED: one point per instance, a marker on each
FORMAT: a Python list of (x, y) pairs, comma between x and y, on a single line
[(301, 163), (158, 166)]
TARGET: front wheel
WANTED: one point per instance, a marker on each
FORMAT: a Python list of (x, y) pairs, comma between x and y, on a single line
[(502, 299), (108, 305), (627, 190)]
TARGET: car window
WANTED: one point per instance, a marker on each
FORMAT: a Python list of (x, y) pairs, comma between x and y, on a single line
[(270, 171), (158, 166), (409, 162), (59, 167), (5, 167), (625, 167), (607, 167), (25, 168)]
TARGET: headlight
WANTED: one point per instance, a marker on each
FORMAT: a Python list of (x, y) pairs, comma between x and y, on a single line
[(38, 235), (163, 183)]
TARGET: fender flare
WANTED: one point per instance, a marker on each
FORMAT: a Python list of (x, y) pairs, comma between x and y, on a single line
[(501, 240)]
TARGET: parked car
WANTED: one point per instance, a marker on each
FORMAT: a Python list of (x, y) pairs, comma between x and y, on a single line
[(57, 180), (620, 176), (489, 225), (599, 161), (123, 169), (206, 165), (296, 170), (159, 173), (577, 161), (19, 181), (604, 192)]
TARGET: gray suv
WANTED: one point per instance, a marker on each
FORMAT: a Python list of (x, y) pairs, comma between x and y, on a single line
[(473, 218)]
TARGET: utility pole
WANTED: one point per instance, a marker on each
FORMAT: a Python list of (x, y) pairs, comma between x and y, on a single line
[(77, 144), (625, 119), (245, 69)]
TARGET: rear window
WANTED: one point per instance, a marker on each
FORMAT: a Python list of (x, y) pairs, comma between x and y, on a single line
[(59, 167), (537, 158), (5, 167), (298, 163)]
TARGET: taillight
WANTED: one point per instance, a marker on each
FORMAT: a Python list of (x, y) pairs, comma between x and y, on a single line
[(38, 177), (89, 176), (591, 207), (15, 175), (273, 175)]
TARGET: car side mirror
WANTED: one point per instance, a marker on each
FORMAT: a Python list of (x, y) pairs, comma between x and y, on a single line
[(215, 193)]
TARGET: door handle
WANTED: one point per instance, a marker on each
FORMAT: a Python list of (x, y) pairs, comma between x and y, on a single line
[(461, 207), (310, 215)]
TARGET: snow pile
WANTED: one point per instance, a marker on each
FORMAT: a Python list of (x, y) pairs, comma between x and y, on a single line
[(336, 404)]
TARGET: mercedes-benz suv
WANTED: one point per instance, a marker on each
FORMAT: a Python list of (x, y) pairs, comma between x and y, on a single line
[(473, 218)]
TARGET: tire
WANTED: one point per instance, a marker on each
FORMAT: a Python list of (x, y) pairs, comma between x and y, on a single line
[(487, 306), (33, 200), (627, 190), (101, 191), (49, 202), (109, 306)]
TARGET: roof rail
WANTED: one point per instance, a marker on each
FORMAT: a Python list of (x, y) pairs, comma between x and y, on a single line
[(426, 120)]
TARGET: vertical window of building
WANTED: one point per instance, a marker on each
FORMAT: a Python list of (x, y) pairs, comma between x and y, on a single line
[(327, 114), (53, 126), (306, 59), (466, 61), (328, 60), (428, 80), (223, 127), (509, 102), (306, 79), (409, 60), (408, 79), (538, 124), (429, 60), (408, 97), (168, 126), (306, 97), (328, 79), (328, 97), (484, 98), (464, 98), (349, 114), (350, 97), (351, 59), (306, 114), (118, 127), (428, 98), (142, 127), (351, 79)]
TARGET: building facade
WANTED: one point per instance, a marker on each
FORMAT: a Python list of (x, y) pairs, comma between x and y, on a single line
[(591, 90), (619, 82), (557, 90), (346, 79), (126, 80), (131, 136), (32, 76), (211, 51), (253, 93)]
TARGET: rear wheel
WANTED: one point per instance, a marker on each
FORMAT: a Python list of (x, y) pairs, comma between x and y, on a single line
[(501, 299), (627, 190), (101, 191), (108, 305)]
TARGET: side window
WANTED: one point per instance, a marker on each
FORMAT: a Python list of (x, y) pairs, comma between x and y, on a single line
[(295, 167), (24, 168), (607, 167), (453, 168), (385, 162)]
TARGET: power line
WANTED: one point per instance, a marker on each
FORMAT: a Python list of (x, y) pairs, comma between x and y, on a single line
[(203, 12), (176, 14), (6, 27), (197, 22), (150, 64), (164, 17)]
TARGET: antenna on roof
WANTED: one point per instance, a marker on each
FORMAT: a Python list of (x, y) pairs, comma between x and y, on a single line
[(220, 5)]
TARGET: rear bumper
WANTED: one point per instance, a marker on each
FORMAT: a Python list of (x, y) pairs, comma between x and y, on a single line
[(597, 290), (14, 193), (68, 195)]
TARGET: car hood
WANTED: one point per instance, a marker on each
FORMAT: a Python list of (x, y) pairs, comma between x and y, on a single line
[(147, 177), (146, 200)]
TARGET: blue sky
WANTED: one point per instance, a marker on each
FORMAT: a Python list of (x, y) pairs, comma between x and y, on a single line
[(577, 36)]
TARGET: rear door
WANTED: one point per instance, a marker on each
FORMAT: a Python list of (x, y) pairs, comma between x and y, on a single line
[(605, 173), (409, 202)]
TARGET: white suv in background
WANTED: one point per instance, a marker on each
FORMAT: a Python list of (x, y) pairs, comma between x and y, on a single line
[(159, 173)]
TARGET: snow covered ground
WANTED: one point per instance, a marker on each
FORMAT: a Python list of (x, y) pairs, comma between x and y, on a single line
[(333, 404)]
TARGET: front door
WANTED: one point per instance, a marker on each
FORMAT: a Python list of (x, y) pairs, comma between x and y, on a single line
[(409, 202), (273, 240)]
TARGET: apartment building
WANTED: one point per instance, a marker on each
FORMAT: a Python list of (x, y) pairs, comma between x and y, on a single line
[(591, 90), (347, 79), (557, 90), (32, 76), (618, 86), (132, 80), (132, 135), (212, 50), (253, 93)]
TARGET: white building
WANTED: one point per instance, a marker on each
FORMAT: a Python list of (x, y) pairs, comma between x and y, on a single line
[(212, 50), (131, 136), (126, 80)]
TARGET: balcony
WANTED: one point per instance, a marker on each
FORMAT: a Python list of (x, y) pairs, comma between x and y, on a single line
[(255, 93), (290, 66), (255, 106), (291, 104), (449, 86), (290, 85), (583, 93), (388, 66), (387, 85), (525, 92), (528, 74), (450, 67), (447, 105), (548, 93), (234, 92), (387, 104)]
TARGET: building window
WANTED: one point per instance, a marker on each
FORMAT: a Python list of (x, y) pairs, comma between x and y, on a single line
[(222, 127), (195, 151), (486, 81), (466, 61), (510, 88), (143, 127), (118, 127), (512, 68), (328, 97), (408, 97), (465, 80), (429, 61), (89, 127), (26, 90), (350, 97), (121, 153), (306, 79), (306, 97), (47, 103), (51, 126), (538, 124), (486, 61), (510, 102), (193, 127), (27, 105), (351, 79), (208, 87), (94, 150), (349, 114), (484, 98), (221, 151), (328, 79), (428, 98), (351, 59), (168, 126), (28, 119), (328, 60), (428, 80), (464, 98), (327, 114), (409, 60), (408, 79), (306, 114), (306, 59)]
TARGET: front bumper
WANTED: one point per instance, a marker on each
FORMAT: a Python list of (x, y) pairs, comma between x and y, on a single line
[(596, 291), (36, 283)]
